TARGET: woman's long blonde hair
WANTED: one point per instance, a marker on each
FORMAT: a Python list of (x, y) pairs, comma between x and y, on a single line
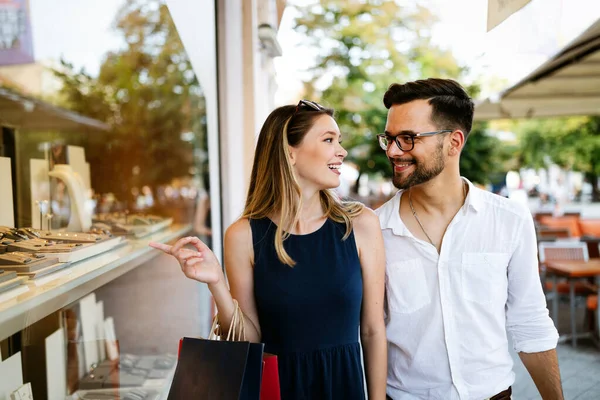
[(274, 189)]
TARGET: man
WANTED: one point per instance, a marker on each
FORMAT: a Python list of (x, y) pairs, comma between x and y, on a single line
[(461, 262)]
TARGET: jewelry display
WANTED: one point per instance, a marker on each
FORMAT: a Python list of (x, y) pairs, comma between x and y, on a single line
[(7, 275), (17, 258), (124, 223), (75, 237), (11, 281), (29, 264), (45, 246), (59, 237)]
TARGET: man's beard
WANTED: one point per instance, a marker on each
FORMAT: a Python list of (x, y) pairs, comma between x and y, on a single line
[(421, 173)]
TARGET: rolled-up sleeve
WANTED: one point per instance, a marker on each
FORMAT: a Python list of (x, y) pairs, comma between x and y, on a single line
[(527, 317)]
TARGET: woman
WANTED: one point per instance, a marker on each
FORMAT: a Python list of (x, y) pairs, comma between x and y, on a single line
[(306, 269)]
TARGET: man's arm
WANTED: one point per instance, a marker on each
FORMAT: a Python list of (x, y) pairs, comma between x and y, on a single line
[(533, 332), (543, 368)]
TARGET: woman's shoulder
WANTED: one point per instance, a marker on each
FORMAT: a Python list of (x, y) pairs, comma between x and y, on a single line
[(366, 221), (239, 231)]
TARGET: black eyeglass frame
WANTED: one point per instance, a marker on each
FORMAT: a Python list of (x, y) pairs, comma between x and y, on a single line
[(384, 136)]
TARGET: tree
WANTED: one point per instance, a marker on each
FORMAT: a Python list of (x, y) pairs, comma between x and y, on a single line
[(572, 143), (484, 158), (362, 48), (149, 94)]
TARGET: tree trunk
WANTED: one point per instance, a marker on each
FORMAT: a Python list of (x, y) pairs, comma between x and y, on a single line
[(592, 177)]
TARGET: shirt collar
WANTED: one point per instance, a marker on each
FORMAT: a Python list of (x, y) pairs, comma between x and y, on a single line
[(389, 215), (474, 198)]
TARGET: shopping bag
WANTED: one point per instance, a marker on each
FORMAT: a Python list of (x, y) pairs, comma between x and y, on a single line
[(269, 389), (220, 368)]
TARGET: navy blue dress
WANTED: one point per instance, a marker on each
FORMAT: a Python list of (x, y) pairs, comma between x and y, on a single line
[(309, 314)]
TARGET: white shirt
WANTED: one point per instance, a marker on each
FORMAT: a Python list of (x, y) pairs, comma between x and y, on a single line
[(448, 314)]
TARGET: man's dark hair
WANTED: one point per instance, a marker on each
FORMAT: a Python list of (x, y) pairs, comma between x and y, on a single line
[(452, 108)]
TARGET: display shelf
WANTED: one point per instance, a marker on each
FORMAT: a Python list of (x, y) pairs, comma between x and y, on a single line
[(55, 291)]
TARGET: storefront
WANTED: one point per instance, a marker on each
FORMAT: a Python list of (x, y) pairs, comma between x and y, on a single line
[(123, 122)]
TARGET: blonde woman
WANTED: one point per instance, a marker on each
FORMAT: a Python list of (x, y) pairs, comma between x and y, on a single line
[(307, 269)]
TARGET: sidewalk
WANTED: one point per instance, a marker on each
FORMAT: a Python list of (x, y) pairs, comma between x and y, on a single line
[(579, 368)]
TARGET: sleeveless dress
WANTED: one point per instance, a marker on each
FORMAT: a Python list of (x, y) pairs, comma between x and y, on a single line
[(309, 314)]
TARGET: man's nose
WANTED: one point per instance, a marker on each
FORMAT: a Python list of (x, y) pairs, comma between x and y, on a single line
[(394, 151)]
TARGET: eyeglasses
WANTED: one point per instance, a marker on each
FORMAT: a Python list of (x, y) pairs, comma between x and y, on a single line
[(309, 104), (404, 142)]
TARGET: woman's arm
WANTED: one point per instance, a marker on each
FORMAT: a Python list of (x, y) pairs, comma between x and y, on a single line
[(203, 266), (371, 252), (239, 266)]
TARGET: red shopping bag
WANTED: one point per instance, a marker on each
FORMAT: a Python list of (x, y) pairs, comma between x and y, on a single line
[(269, 388)]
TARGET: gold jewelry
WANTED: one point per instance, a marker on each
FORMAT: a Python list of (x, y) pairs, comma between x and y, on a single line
[(414, 213)]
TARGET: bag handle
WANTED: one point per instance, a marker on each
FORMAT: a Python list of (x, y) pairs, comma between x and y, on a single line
[(237, 327)]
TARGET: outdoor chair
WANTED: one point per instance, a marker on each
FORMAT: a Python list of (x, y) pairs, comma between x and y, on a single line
[(569, 222), (564, 251)]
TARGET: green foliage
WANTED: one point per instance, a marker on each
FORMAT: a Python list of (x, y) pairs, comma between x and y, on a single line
[(572, 143), (363, 48), (149, 94), (483, 157)]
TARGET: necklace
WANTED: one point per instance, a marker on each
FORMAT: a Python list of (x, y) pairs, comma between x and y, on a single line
[(414, 213)]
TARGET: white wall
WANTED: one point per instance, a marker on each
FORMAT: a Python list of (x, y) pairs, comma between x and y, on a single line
[(246, 94), (243, 85), (196, 25)]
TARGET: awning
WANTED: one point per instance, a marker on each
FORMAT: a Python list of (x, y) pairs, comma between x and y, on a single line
[(31, 114), (567, 84)]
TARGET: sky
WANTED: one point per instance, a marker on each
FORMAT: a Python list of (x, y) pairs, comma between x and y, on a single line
[(81, 31)]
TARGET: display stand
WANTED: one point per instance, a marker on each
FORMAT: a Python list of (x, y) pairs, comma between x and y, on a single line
[(76, 159), (88, 313), (40, 191), (81, 218), (56, 367), (12, 377)]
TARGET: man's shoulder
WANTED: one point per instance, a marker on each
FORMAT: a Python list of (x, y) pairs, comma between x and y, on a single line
[(388, 205), (501, 205)]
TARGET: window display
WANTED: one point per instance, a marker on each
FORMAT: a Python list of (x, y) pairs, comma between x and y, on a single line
[(103, 148)]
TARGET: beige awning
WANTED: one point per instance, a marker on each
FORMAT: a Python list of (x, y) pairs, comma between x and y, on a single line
[(31, 114), (567, 84), (499, 10)]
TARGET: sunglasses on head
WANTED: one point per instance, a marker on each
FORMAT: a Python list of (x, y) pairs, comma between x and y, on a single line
[(310, 105)]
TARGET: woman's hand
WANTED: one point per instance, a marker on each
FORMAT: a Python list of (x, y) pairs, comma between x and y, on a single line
[(200, 265)]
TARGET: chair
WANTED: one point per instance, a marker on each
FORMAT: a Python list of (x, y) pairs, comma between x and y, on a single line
[(593, 245), (545, 232), (592, 300), (576, 214), (537, 217), (565, 251), (569, 222), (590, 227)]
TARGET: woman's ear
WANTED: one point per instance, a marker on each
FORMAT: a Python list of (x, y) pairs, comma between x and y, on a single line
[(292, 153)]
